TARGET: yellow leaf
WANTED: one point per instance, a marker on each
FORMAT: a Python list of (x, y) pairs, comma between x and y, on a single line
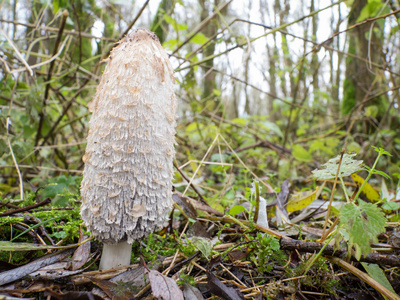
[(368, 190), (300, 200)]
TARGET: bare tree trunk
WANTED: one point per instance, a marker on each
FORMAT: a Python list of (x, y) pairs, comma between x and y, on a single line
[(159, 25), (272, 66), (209, 30), (335, 76), (314, 58), (359, 78)]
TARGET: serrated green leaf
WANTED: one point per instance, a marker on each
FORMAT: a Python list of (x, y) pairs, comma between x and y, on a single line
[(347, 167), (363, 223), (376, 220)]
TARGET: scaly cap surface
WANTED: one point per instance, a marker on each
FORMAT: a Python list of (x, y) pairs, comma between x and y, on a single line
[(127, 179)]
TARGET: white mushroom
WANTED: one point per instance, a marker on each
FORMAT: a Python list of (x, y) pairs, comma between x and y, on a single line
[(127, 179)]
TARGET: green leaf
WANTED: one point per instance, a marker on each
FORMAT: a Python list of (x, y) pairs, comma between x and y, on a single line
[(381, 151), (203, 245), (173, 23), (170, 44), (383, 174), (376, 273), (353, 147), (347, 167), (237, 209), (217, 92), (390, 206), (301, 154), (239, 121), (199, 39), (370, 10), (192, 127), (363, 224), (270, 126)]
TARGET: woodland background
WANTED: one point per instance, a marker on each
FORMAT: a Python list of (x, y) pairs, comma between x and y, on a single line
[(267, 90)]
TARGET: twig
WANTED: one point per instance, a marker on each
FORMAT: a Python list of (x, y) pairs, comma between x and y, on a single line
[(245, 222), (44, 62), (311, 247), (197, 205), (43, 168), (135, 19), (190, 182), (26, 208), (8, 122), (201, 25), (364, 277), (53, 29), (19, 55), (107, 53)]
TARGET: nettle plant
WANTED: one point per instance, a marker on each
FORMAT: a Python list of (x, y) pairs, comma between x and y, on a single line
[(360, 222)]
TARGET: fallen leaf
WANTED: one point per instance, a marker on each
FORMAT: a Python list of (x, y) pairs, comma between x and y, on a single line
[(163, 287), (203, 244), (217, 287), (191, 293), (71, 295), (300, 200), (81, 254), (368, 190), (113, 290)]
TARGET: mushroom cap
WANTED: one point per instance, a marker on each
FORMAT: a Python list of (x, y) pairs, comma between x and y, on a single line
[(127, 179)]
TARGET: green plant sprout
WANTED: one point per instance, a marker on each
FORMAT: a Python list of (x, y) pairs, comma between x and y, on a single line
[(360, 222)]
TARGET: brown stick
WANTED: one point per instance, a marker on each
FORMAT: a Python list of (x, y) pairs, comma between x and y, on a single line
[(26, 208), (191, 183), (364, 277), (311, 247)]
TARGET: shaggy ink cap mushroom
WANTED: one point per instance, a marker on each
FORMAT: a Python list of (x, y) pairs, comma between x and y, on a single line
[(127, 180)]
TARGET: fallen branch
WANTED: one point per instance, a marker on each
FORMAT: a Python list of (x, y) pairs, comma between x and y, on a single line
[(311, 247), (22, 271), (26, 208)]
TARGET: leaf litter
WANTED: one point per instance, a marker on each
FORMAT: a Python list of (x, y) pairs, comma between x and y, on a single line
[(207, 253)]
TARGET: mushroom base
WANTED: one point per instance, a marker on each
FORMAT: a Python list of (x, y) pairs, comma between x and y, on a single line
[(115, 255)]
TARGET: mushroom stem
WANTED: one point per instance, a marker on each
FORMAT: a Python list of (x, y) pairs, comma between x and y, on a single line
[(115, 255)]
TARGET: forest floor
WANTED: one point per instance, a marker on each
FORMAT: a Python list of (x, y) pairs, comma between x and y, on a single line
[(203, 253)]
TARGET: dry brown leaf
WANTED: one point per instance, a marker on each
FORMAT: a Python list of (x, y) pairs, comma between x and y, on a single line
[(163, 287), (81, 254)]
